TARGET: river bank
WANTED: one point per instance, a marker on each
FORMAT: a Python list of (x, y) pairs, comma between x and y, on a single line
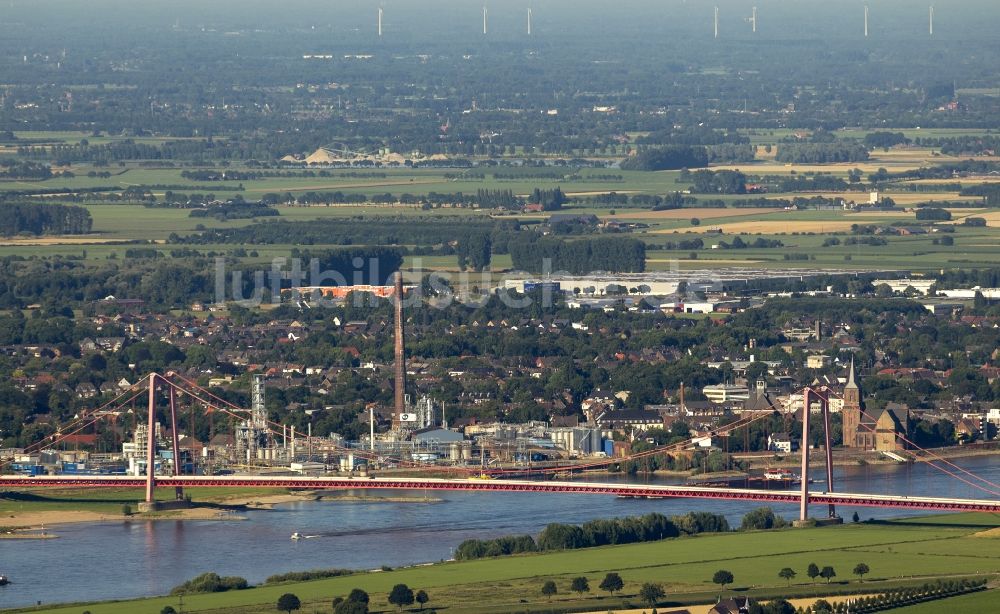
[(36, 521), (223, 509)]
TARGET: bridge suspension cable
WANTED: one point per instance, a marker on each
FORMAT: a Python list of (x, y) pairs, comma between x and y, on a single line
[(947, 462)]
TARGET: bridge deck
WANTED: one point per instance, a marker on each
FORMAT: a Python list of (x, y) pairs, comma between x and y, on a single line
[(482, 485)]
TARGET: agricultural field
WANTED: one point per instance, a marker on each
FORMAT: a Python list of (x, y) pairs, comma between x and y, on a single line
[(802, 232), (898, 553)]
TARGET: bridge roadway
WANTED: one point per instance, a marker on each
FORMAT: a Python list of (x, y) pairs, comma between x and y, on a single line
[(495, 485)]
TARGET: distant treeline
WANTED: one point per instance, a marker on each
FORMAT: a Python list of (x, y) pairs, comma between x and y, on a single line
[(731, 154), (821, 153), (44, 219), (883, 139), (812, 183), (942, 171), (673, 200), (128, 149), (989, 191), (693, 135), (305, 576), (963, 145), (540, 254), (15, 169), (716, 182), (235, 211), (673, 157), (497, 199), (360, 230), (628, 530), (758, 243), (948, 279)]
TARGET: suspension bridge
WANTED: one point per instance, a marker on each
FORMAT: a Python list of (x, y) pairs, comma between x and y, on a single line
[(164, 391), (646, 491)]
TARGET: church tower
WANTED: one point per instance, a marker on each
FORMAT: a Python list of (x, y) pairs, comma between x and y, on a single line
[(852, 409)]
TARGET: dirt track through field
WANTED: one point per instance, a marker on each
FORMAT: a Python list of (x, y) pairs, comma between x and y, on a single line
[(771, 227), (339, 186), (56, 241), (702, 214)]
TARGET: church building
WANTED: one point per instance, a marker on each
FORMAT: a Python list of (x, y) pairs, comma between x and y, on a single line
[(863, 431)]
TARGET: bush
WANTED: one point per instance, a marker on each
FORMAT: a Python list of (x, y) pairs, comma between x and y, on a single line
[(211, 583), (302, 576), (501, 546), (562, 537), (760, 519)]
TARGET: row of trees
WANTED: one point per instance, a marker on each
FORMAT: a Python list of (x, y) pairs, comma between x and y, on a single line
[(628, 530), (650, 593), (360, 230), (24, 169), (237, 209), (497, 199), (358, 601), (822, 153), (581, 256)]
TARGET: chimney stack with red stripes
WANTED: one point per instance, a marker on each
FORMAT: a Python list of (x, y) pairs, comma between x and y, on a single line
[(400, 408)]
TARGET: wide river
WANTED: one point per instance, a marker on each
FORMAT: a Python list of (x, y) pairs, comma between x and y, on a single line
[(117, 560)]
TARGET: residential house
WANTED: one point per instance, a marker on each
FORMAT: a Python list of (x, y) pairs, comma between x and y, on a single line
[(781, 442), (732, 605), (86, 390)]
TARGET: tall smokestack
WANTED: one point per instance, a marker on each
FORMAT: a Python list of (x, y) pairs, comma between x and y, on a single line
[(400, 356)]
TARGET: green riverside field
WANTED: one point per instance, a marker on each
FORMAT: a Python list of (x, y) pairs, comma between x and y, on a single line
[(899, 553)]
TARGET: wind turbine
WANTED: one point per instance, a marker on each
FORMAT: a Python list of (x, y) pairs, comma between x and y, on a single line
[(529, 21), (866, 21), (380, 22), (930, 22), (484, 20), (752, 19), (716, 22)]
